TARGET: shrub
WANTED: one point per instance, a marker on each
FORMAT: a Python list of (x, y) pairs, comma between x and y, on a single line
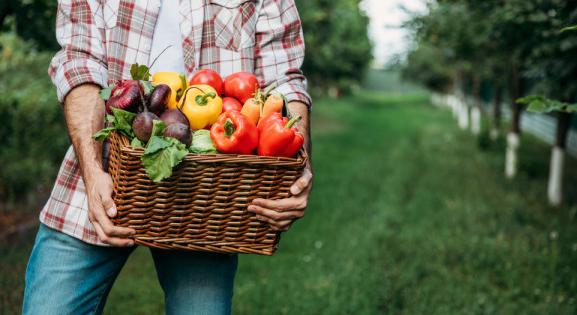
[(32, 131)]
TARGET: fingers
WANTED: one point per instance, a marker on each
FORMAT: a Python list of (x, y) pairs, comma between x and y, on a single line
[(286, 204), (109, 205), (302, 183), (113, 241), (281, 226), (101, 208), (275, 215), (109, 229)]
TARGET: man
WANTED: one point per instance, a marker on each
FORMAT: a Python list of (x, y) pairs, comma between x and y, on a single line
[(78, 251)]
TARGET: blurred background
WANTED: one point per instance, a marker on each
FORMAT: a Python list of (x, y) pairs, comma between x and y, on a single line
[(436, 190)]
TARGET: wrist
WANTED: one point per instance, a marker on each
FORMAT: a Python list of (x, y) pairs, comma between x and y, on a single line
[(91, 174)]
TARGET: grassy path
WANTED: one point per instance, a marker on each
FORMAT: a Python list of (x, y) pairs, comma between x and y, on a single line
[(408, 216)]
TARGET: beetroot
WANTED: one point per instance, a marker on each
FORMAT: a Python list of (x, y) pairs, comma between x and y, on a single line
[(172, 116), (142, 125), (180, 132), (159, 98)]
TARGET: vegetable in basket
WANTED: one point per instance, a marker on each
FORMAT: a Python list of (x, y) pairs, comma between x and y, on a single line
[(177, 83), (230, 103), (202, 143), (233, 133), (201, 105), (279, 137), (208, 77), (241, 85)]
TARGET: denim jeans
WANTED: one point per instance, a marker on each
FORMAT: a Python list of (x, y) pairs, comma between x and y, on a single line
[(68, 276)]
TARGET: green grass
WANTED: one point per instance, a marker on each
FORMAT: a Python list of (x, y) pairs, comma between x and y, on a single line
[(408, 215)]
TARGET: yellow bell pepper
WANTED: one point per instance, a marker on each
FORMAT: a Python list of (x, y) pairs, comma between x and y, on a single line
[(177, 83), (201, 105)]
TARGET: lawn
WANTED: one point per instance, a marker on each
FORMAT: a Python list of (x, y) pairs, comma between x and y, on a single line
[(408, 215)]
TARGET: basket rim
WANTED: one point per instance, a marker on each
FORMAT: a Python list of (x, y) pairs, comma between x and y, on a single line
[(299, 161)]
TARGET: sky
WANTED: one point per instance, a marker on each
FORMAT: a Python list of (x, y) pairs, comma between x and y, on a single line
[(385, 18)]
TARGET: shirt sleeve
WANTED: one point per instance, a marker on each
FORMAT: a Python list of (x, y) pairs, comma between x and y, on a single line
[(280, 50), (82, 58)]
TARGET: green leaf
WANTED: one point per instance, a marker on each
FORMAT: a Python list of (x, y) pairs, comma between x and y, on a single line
[(110, 118), (157, 127), (106, 92), (541, 104), (156, 144), (147, 86), (202, 143), (569, 28), (161, 156), (136, 143), (139, 72), (102, 134), (123, 121)]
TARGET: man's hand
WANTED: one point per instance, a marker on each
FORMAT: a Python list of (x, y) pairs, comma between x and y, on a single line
[(101, 208), (281, 214), (84, 113)]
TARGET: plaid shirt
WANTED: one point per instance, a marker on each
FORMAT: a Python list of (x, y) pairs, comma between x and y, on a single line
[(101, 39)]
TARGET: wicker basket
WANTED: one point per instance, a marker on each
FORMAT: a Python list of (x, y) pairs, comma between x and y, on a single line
[(202, 207)]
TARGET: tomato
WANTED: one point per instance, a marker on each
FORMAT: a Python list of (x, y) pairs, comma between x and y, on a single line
[(240, 85), (208, 77), (230, 103)]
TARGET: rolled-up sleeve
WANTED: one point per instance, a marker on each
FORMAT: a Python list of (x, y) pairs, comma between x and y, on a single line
[(280, 50), (82, 58)]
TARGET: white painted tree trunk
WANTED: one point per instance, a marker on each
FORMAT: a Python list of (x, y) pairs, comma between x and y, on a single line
[(555, 187), (494, 133), (463, 115), (511, 158), (452, 103), (476, 120)]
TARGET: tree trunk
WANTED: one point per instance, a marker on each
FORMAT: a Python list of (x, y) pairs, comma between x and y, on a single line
[(513, 138), (555, 187), (496, 127), (476, 109), (461, 108)]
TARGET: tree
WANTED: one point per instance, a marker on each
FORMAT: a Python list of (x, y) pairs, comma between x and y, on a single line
[(34, 21), (337, 43)]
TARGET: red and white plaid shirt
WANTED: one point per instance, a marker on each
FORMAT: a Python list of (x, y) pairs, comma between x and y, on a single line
[(101, 39)]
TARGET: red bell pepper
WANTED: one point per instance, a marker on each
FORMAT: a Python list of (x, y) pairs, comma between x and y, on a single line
[(279, 137), (233, 133)]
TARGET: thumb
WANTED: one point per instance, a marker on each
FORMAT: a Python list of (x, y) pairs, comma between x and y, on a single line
[(302, 183), (108, 204)]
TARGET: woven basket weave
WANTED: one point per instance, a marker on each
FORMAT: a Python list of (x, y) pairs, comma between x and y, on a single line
[(202, 206)]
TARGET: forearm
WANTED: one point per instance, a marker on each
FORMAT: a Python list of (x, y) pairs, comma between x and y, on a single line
[(84, 114), (300, 109)]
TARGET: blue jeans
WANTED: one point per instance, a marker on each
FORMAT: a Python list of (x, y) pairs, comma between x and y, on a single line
[(68, 276)]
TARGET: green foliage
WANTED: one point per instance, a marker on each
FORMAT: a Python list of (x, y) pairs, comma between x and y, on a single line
[(33, 137), (161, 155), (120, 121), (140, 72), (337, 43), (505, 42), (569, 28), (202, 143), (428, 66), (33, 20), (541, 104)]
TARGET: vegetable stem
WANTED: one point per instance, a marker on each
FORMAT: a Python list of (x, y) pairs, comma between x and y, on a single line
[(229, 128), (293, 121)]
